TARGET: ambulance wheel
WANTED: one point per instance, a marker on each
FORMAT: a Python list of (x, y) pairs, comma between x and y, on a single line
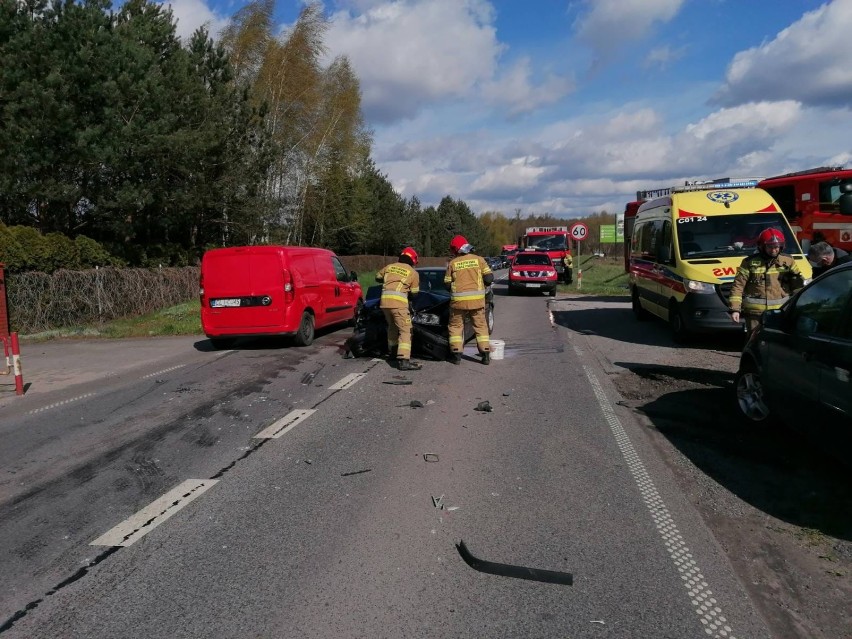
[(305, 335), (640, 313), (678, 326)]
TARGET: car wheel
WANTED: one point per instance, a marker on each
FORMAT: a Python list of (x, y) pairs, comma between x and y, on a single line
[(678, 326), (511, 291), (640, 313), (358, 307), (489, 318), (750, 394), (553, 292), (305, 335)]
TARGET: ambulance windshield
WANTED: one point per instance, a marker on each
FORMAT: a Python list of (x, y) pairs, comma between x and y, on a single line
[(729, 235)]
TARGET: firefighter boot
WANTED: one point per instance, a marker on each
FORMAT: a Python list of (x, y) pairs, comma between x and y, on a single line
[(455, 358), (486, 358), (392, 353), (408, 365)]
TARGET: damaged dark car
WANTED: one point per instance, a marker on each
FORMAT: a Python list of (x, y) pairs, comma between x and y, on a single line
[(430, 313)]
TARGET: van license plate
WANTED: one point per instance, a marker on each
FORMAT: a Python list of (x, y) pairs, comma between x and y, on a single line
[(533, 284), (235, 301)]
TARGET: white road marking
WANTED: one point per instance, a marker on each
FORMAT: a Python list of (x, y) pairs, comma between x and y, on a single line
[(715, 624), (137, 526), (348, 381), (165, 370), (285, 424), (62, 403)]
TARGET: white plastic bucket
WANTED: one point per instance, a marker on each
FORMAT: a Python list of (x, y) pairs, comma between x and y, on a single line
[(497, 346)]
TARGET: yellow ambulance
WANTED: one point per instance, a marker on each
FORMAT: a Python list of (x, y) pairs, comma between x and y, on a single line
[(686, 245)]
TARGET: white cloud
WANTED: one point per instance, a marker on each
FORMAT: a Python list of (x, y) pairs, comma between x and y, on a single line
[(610, 24), (409, 54), (516, 89), (662, 57), (808, 61), (191, 14), (519, 176)]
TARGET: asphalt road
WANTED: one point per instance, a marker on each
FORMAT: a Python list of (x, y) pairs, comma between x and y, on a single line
[(346, 521)]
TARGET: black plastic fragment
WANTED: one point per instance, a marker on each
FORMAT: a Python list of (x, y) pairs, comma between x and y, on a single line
[(518, 572), (484, 407), (357, 472)]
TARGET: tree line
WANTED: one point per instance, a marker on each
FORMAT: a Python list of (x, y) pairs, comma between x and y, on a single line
[(152, 150)]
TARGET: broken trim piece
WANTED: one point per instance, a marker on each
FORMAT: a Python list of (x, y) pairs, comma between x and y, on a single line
[(518, 572)]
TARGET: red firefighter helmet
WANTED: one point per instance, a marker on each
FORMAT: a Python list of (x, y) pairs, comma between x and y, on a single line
[(770, 236), (458, 243), (410, 252)]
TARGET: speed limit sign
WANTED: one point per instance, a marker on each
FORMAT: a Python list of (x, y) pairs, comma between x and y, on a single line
[(579, 231)]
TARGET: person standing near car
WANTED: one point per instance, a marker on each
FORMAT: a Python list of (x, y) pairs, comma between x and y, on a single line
[(822, 256), (399, 281), (467, 276), (765, 280), (568, 263)]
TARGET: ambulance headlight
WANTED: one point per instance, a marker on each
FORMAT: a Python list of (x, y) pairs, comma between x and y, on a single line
[(702, 288)]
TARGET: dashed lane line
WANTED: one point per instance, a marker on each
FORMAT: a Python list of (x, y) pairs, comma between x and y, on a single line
[(137, 526), (348, 381), (715, 623), (165, 370), (285, 424), (62, 403)]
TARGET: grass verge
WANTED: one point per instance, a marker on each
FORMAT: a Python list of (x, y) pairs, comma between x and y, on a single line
[(600, 277)]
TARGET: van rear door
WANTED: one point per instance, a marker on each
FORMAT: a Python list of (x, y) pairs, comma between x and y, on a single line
[(244, 287)]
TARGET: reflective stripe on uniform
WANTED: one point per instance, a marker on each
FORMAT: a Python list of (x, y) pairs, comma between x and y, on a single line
[(467, 295), (395, 295)]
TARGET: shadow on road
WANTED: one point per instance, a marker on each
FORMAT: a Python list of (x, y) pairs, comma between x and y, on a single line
[(620, 324), (779, 471)]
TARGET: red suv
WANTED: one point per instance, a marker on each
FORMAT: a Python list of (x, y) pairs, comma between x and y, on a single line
[(532, 271)]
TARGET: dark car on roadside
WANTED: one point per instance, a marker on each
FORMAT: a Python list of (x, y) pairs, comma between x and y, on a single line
[(532, 271), (430, 311), (797, 365)]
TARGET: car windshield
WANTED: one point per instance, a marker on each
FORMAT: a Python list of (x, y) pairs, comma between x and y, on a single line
[(728, 235), (432, 280), (547, 242), (532, 258)]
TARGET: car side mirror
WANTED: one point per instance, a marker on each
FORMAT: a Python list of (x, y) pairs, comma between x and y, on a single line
[(353, 276), (773, 320)]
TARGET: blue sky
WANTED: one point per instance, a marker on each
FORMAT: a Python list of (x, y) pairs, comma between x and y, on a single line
[(570, 107)]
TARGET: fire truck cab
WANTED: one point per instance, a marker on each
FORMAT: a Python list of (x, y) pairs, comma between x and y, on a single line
[(552, 240), (818, 204)]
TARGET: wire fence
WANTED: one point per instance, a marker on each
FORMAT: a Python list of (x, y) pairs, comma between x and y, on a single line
[(39, 302)]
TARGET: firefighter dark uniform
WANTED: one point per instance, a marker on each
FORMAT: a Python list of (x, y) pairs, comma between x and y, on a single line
[(399, 280), (568, 263), (467, 276), (764, 281)]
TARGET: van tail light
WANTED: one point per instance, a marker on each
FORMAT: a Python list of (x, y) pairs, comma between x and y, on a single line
[(288, 286), (201, 289)]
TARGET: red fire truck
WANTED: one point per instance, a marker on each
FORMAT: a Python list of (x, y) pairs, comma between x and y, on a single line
[(554, 240), (811, 201)]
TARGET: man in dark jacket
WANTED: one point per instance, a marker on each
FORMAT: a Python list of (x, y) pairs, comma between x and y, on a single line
[(823, 256)]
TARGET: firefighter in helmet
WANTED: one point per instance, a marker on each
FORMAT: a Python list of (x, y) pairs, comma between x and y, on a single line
[(467, 276), (399, 281), (764, 280)]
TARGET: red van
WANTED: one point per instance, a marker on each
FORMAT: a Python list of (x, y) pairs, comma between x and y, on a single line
[(274, 290)]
